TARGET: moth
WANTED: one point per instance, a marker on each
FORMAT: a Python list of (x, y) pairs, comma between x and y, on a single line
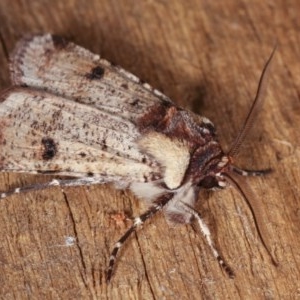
[(72, 113)]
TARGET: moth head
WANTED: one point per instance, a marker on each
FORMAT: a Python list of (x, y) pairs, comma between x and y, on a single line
[(215, 179)]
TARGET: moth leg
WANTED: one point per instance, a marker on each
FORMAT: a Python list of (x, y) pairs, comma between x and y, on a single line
[(54, 182), (206, 233), (250, 172), (160, 203)]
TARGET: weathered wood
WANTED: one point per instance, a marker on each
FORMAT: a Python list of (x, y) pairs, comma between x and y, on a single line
[(207, 56)]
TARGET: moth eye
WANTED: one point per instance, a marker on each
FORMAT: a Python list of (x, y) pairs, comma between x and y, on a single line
[(209, 182), (211, 128)]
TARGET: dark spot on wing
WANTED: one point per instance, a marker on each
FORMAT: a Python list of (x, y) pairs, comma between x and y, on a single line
[(59, 42), (82, 154), (124, 86), (96, 73), (2, 160), (90, 174), (2, 138), (135, 102), (104, 145), (49, 148)]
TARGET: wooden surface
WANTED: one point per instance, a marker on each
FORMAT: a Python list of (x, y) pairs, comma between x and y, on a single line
[(207, 56)]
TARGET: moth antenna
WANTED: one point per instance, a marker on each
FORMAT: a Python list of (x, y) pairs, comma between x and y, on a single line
[(254, 108), (257, 214)]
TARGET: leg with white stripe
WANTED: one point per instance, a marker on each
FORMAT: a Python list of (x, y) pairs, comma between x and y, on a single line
[(250, 172), (54, 182), (160, 203), (206, 233)]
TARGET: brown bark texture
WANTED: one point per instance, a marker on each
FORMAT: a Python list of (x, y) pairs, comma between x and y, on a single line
[(207, 56)]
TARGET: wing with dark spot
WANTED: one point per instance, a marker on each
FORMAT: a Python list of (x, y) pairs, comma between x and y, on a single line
[(44, 133), (50, 63)]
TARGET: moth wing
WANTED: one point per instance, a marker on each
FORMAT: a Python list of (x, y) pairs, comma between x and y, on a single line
[(50, 63), (41, 133)]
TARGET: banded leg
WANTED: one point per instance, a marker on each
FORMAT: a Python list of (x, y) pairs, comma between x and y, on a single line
[(206, 233), (250, 172), (54, 182), (160, 203)]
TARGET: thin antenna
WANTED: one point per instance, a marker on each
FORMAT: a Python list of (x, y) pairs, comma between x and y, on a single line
[(256, 213), (254, 108)]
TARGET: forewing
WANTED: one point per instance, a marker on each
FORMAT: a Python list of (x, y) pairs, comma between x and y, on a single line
[(164, 133), (50, 63), (44, 133)]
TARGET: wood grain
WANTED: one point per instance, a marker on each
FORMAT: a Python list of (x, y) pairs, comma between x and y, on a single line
[(207, 56)]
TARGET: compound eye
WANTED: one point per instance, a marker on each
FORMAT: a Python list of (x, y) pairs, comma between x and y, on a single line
[(209, 182)]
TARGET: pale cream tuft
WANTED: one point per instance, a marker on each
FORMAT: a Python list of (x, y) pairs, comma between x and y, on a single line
[(173, 154)]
